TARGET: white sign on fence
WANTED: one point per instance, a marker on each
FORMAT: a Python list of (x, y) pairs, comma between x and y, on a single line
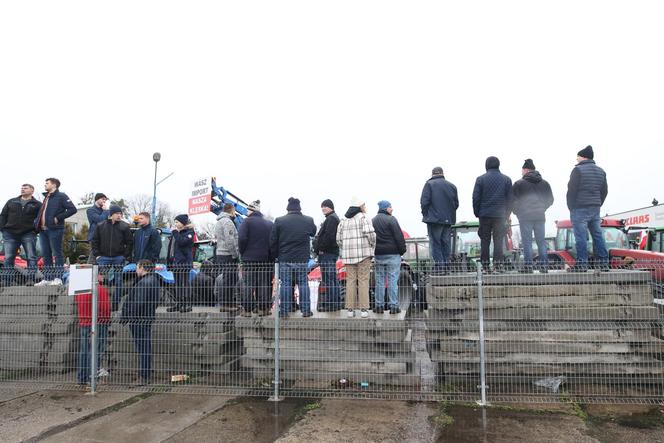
[(80, 279)]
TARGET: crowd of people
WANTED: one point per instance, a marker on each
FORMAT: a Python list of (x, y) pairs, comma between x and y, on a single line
[(357, 239)]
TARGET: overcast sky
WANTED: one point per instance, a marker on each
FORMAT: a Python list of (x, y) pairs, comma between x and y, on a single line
[(330, 99)]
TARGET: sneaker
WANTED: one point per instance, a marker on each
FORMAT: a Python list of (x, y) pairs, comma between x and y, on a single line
[(102, 372), (307, 314), (526, 270), (185, 309), (378, 310), (245, 313), (43, 283), (364, 313), (351, 313), (56, 282), (228, 308), (395, 310), (264, 312), (173, 309)]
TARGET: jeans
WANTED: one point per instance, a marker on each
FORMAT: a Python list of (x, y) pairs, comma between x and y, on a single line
[(290, 274), (258, 281), (229, 268), (387, 266), (142, 334), (12, 243), (182, 292), (328, 269), (114, 264), (492, 227), (527, 227), (584, 220), (85, 350), (51, 245), (439, 244)]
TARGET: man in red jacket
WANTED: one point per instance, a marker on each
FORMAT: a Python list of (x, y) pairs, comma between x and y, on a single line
[(84, 306)]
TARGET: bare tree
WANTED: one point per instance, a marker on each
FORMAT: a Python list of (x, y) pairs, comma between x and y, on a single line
[(205, 231), (88, 198)]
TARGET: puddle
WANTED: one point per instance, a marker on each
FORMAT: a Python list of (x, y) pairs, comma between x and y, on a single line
[(248, 419)]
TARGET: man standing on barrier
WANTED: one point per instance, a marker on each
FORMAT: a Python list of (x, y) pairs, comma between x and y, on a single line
[(50, 224), (491, 204), (254, 246), (147, 241), (586, 191), (532, 196), (96, 214), (111, 246), (138, 312), (390, 246), (439, 203), (18, 229), (182, 253), (290, 242), (325, 246), (227, 255)]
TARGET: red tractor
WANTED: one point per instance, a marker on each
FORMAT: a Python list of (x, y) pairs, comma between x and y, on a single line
[(617, 243)]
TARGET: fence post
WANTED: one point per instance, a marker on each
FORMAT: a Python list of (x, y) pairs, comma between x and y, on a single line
[(480, 300), (93, 333), (275, 396)]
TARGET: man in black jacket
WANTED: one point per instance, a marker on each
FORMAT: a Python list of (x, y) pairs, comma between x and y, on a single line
[(390, 246), (111, 246), (138, 312), (325, 246), (290, 242), (532, 196), (586, 192), (18, 229), (254, 247), (491, 204), (439, 202), (50, 224)]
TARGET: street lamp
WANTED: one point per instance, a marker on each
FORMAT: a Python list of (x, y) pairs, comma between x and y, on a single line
[(156, 157)]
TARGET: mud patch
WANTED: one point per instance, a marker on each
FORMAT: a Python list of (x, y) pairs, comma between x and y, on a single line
[(248, 419)]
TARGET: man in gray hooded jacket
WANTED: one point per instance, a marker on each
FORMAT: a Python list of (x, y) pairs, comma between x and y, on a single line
[(227, 256)]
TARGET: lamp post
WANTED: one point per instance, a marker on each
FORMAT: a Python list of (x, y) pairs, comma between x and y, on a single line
[(156, 157)]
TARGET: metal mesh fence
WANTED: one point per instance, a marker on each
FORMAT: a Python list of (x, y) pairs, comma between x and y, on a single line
[(456, 334)]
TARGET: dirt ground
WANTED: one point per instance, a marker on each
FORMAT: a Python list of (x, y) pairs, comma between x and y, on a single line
[(65, 416)]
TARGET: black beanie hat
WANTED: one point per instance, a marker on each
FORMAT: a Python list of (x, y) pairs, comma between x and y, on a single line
[(114, 209), (327, 203), (586, 152), (528, 164), (183, 218), (492, 163), (99, 195), (293, 204)]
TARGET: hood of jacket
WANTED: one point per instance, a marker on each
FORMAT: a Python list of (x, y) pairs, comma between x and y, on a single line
[(533, 177), (352, 211)]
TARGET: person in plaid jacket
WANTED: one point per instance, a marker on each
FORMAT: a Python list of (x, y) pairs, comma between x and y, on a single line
[(357, 240)]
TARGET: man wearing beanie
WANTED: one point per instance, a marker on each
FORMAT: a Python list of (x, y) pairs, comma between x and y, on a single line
[(325, 246), (439, 202), (96, 214), (491, 204), (181, 252), (390, 246), (586, 192), (290, 241), (532, 196), (111, 245)]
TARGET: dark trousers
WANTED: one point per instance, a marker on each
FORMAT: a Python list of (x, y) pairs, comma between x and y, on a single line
[(229, 269), (331, 298), (492, 228), (142, 334), (182, 287), (440, 241), (258, 282)]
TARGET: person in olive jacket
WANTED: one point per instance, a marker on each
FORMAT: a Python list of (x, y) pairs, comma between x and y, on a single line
[(531, 197), (390, 246), (18, 229)]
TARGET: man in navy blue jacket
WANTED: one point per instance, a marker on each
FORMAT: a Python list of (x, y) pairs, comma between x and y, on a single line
[(491, 204), (147, 241), (586, 191), (254, 245), (439, 202), (96, 214), (50, 224), (138, 312)]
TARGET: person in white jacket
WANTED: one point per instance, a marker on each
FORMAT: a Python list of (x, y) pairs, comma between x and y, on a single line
[(357, 240)]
